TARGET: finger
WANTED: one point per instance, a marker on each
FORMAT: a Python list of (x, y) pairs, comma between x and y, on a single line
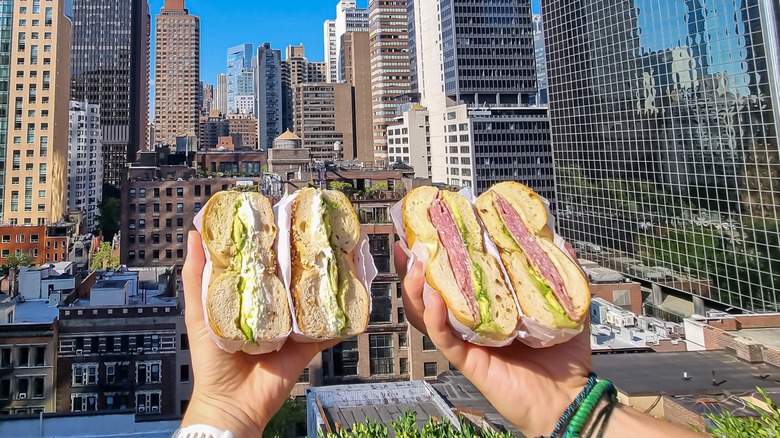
[(192, 277), (412, 287), (401, 259), (295, 356), (440, 332)]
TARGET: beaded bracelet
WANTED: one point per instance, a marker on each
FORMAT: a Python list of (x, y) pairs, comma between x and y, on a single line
[(603, 418), (604, 387), (567, 414)]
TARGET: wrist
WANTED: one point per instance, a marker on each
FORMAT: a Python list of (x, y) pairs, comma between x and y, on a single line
[(222, 413), (551, 404)]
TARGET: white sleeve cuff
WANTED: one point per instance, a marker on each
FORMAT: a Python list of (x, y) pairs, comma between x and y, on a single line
[(202, 431)]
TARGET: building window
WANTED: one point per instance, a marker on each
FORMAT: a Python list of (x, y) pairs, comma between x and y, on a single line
[(382, 310), (24, 357), (38, 387), (380, 249), (184, 342), (304, 377), (401, 315), (403, 365), (345, 358), (148, 402), (431, 369), (428, 344), (40, 356), (5, 358), (184, 373), (403, 340), (5, 388), (380, 350), (83, 402), (148, 372), (85, 374)]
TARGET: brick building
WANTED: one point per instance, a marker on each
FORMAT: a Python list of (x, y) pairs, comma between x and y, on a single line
[(28, 333), (43, 243), (120, 348), (243, 129)]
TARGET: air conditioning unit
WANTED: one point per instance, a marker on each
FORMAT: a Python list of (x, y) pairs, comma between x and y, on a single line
[(142, 409), (155, 409), (79, 351), (139, 349), (22, 395), (155, 349)]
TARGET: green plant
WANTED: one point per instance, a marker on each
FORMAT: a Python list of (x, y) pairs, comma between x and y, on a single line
[(104, 258), (340, 185), (766, 425), (15, 261), (292, 412), (406, 427)]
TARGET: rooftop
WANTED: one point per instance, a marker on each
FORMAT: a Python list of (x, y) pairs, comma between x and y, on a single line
[(656, 373), (110, 284), (35, 312), (345, 405), (770, 337)]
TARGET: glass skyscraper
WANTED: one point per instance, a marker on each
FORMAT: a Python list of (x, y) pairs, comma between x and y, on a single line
[(664, 122), (239, 68)]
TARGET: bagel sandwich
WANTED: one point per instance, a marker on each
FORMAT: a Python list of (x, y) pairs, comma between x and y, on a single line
[(550, 287), (246, 300), (329, 300), (468, 279)]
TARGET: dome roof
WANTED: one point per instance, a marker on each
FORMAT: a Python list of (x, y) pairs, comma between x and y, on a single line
[(288, 136)]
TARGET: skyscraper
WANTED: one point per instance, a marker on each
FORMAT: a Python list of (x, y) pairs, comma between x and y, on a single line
[(239, 62), (349, 18), (665, 132), (110, 67), (268, 86), (390, 71), (6, 18), (356, 70), (85, 162), (295, 70), (220, 94), (541, 61), (331, 55), (475, 73), (177, 73), (36, 157)]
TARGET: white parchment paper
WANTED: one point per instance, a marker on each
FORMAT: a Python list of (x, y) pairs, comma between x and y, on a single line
[(529, 331)]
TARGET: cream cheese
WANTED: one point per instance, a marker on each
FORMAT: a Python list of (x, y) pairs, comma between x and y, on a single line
[(254, 299), (322, 261)]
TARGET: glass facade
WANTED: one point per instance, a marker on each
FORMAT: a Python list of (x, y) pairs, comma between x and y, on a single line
[(109, 67), (268, 104), (239, 64), (664, 124)]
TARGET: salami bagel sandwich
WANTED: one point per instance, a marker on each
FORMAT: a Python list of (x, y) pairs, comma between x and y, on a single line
[(329, 299), (469, 280), (550, 287), (246, 300)]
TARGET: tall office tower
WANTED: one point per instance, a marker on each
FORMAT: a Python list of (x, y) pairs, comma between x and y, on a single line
[(239, 60), (177, 73), (666, 144), (294, 71), (109, 66), (220, 93), (36, 177), (390, 71), (85, 162), (475, 74), (208, 98), (268, 86), (331, 55), (349, 18), (6, 25), (323, 117), (541, 61), (357, 72)]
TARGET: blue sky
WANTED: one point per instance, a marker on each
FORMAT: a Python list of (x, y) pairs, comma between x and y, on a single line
[(225, 23)]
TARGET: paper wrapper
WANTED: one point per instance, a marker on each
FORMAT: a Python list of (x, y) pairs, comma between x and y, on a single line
[(364, 262), (529, 331), (226, 344)]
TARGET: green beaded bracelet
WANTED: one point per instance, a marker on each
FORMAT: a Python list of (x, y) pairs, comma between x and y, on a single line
[(587, 407)]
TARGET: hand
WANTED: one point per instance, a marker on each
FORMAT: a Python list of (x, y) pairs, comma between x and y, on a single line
[(235, 392), (530, 387)]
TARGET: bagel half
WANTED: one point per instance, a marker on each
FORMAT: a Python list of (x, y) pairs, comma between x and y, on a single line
[(550, 287), (246, 300), (469, 280), (329, 299)]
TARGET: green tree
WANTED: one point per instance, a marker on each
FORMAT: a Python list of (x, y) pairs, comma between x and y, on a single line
[(15, 261), (292, 412), (766, 425), (104, 258), (108, 220)]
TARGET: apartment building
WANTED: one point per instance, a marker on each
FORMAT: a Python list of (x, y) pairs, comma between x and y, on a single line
[(409, 140), (177, 73), (85, 162), (269, 106), (331, 55), (43, 243), (243, 128), (356, 70), (35, 186), (127, 355), (28, 333)]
